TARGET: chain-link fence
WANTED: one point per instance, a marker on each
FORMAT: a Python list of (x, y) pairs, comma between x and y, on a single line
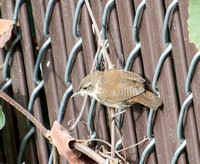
[(54, 48)]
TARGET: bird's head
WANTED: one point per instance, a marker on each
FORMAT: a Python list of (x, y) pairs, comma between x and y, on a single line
[(88, 85)]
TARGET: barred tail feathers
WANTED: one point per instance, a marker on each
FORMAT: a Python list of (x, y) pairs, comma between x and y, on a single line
[(149, 100)]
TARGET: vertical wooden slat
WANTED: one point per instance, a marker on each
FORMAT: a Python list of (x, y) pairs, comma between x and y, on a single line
[(152, 47), (114, 37), (192, 125), (49, 74), (11, 147), (100, 121), (48, 71), (20, 93), (136, 124), (77, 74), (68, 10), (119, 33), (2, 155), (29, 58)]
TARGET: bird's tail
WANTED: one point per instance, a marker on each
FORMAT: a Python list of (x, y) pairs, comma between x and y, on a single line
[(149, 100)]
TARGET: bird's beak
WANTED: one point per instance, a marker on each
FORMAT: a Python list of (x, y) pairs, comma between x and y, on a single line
[(74, 94)]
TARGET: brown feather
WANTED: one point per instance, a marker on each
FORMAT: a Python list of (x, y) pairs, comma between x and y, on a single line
[(147, 99)]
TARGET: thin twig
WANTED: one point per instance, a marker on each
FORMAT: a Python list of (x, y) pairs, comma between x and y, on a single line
[(22, 110), (112, 133), (120, 135), (80, 115), (145, 139), (95, 59), (106, 156), (100, 140), (89, 152), (118, 151), (105, 53), (55, 155)]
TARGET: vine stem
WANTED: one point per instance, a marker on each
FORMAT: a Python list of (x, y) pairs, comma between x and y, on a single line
[(105, 53)]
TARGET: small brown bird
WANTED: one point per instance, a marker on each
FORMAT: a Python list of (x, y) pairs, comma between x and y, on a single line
[(119, 89)]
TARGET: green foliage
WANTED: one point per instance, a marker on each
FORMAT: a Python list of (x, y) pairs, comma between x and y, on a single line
[(2, 118), (194, 22)]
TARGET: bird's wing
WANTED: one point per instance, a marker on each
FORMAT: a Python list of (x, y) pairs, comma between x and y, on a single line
[(128, 84), (129, 90), (132, 76), (123, 92)]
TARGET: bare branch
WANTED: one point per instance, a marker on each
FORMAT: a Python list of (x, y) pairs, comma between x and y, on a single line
[(22, 110)]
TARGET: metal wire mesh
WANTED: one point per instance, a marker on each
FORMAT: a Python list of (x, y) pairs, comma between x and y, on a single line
[(144, 37)]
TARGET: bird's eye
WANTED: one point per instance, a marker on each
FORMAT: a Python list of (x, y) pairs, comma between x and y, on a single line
[(85, 88)]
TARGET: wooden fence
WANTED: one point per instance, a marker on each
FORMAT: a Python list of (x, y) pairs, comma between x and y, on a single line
[(138, 28)]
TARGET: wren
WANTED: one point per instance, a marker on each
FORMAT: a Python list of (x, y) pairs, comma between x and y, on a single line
[(119, 89)]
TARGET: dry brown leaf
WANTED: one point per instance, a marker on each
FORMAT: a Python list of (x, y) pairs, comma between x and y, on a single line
[(61, 139), (6, 27)]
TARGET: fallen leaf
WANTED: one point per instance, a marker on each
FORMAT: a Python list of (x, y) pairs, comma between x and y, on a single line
[(61, 138), (6, 27)]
